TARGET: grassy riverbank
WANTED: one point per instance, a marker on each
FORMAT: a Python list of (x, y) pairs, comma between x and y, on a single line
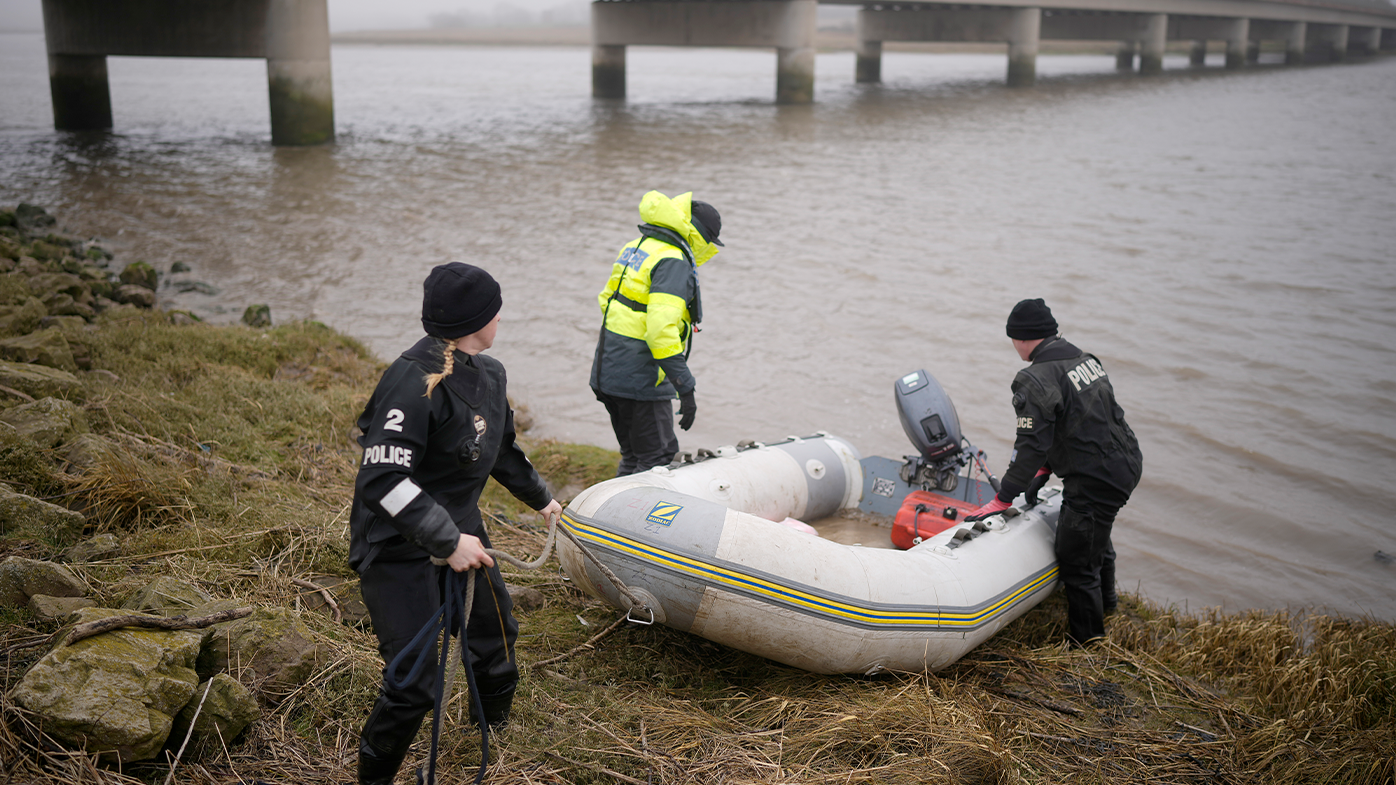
[(232, 466)]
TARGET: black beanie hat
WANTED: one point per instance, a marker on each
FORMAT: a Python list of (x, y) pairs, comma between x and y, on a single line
[(707, 221), (458, 299), (1030, 320)]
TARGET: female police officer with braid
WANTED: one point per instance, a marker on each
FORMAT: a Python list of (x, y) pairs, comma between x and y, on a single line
[(437, 427)]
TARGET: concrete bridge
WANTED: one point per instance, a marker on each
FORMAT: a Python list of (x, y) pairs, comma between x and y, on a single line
[(1311, 31), (293, 37)]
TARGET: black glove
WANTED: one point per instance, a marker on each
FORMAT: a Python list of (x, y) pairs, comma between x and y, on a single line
[(688, 409), (1035, 484)]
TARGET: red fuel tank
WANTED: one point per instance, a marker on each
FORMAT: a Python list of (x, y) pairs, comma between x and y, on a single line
[(923, 514)]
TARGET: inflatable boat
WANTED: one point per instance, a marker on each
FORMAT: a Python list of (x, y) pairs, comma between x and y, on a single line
[(705, 546)]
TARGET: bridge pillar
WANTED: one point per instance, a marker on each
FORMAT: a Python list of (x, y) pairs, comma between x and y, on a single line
[(1024, 31), (298, 72), (608, 72), (81, 94), (1152, 43), (1295, 43), (868, 69), (1238, 44), (1364, 40), (1124, 57), (1198, 55), (1328, 43), (795, 74), (786, 26), (293, 37)]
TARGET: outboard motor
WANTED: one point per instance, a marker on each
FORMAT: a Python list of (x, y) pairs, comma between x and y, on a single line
[(930, 422)]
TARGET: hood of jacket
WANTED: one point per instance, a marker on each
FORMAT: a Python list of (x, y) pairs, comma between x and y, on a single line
[(657, 209)]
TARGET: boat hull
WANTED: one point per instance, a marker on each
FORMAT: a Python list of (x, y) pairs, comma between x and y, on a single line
[(703, 566)]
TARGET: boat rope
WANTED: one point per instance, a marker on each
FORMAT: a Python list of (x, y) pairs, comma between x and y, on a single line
[(453, 618)]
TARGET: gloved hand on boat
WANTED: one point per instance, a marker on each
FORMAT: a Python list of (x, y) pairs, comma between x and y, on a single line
[(688, 409), (993, 507), (1035, 484)]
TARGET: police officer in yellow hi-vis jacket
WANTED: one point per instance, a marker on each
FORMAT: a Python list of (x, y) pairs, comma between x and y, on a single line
[(650, 309)]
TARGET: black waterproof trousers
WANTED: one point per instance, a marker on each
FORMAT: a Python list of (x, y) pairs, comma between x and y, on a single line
[(1086, 565), (644, 430), (403, 591)]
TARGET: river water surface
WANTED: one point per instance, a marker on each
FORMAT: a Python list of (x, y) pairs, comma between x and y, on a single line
[(1223, 241)]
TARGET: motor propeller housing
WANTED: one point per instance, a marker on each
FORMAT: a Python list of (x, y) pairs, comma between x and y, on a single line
[(929, 419)]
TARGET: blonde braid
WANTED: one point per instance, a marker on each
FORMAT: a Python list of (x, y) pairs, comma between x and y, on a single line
[(446, 368)]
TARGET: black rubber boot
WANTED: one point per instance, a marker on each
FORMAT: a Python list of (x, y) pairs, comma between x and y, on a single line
[(377, 768), (496, 710)]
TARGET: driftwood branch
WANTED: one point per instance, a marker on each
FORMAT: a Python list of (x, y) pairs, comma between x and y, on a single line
[(324, 593), (590, 644), (16, 393), (88, 629)]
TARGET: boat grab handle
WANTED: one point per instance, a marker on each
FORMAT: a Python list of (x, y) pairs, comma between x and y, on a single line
[(630, 615)]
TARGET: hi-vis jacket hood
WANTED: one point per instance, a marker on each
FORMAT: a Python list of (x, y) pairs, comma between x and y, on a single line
[(657, 209)]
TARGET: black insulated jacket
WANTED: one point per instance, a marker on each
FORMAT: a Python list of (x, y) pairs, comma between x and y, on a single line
[(1068, 419), (426, 460)]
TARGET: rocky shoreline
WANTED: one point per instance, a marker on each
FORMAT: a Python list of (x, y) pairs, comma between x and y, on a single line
[(121, 694)]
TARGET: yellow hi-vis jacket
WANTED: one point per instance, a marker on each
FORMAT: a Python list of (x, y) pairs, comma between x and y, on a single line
[(651, 304)]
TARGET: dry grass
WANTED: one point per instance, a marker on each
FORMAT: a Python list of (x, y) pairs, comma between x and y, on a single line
[(234, 472)]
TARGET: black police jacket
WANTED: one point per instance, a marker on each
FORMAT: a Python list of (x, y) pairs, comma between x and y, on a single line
[(426, 460), (1068, 419)]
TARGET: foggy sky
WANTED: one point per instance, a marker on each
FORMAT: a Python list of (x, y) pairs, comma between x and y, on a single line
[(344, 14), (396, 14)]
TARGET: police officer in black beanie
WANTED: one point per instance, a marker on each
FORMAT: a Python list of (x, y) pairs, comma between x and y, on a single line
[(1069, 424), (436, 429)]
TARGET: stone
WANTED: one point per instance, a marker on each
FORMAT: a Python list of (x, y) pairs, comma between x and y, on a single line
[(183, 318), (272, 651), (228, 708), (184, 287), (139, 274), (116, 693), (97, 548), (23, 318), (135, 294), (47, 252), (166, 596), (87, 450), (26, 516), (22, 578), (73, 317), (61, 304), (257, 316), (47, 422), (346, 595), (57, 608), (46, 347), (32, 217), (60, 283), (179, 267), (37, 381), (525, 598)]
